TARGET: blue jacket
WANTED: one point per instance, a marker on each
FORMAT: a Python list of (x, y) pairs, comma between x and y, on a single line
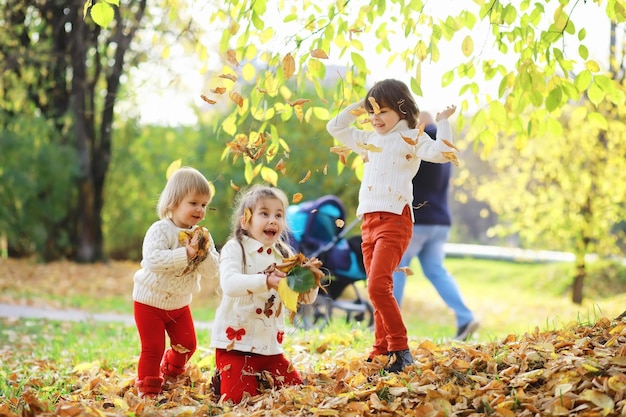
[(431, 185)]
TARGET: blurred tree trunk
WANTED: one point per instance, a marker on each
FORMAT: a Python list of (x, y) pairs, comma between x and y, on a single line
[(78, 66)]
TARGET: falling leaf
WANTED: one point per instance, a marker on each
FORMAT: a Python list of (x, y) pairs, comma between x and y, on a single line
[(339, 223), (358, 111), (451, 156), (280, 167), (409, 140), (374, 104), (234, 186), (297, 197), (421, 128), (298, 102), (289, 66), (369, 147), (208, 100), (173, 167), (319, 53), (233, 27), (261, 90), (231, 77), (342, 151), (236, 98), (218, 90), (449, 144), (407, 271), (231, 58), (306, 177)]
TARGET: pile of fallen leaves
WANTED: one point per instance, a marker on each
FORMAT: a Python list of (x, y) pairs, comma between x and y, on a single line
[(579, 370)]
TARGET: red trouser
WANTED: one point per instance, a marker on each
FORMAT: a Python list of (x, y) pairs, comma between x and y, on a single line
[(385, 238), (152, 324), (240, 371)]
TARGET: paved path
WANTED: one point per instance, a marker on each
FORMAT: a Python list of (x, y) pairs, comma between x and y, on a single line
[(20, 311)]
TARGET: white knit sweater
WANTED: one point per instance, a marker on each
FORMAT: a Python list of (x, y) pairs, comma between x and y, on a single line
[(159, 282), (388, 173), (250, 317)]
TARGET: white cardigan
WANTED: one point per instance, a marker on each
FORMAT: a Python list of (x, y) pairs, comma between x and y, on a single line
[(388, 174), (250, 317)]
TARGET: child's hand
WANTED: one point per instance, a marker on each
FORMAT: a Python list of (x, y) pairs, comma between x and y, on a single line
[(273, 278), (192, 246), (442, 115)]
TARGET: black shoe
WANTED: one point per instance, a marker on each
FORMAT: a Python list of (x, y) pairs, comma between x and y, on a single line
[(398, 360), (465, 332)]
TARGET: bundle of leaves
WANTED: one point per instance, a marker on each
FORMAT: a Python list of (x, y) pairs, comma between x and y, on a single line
[(199, 238), (303, 275)]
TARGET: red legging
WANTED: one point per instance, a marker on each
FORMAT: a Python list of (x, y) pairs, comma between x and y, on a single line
[(152, 324), (239, 372), (385, 238)]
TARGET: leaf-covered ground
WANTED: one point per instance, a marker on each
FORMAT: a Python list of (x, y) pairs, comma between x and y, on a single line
[(579, 370)]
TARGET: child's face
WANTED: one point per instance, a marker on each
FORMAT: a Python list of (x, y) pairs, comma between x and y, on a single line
[(384, 121), (267, 221), (190, 211)]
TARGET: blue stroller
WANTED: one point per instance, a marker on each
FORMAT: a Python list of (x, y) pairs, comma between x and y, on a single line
[(317, 230)]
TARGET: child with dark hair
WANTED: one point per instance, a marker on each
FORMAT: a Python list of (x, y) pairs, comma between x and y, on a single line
[(391, 152)]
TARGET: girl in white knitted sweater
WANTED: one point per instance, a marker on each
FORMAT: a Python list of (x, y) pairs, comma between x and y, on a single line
[(176, 253)]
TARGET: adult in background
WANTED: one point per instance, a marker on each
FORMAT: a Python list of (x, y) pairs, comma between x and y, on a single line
[(431, 230)]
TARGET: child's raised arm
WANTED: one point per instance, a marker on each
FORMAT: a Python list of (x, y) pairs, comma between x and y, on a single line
[(447, 112)]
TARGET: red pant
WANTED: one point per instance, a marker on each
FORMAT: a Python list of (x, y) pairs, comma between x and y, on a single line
[(240, 371), (152, 324), (385, 238)]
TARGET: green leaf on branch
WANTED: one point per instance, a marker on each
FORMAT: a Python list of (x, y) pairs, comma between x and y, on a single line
[(102, 13)]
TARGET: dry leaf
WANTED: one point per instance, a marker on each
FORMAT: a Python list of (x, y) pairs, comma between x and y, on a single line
[(450, 145), (369, 147), (236, 98), (409, 140), (451, 156), (289, 66), (306, 177), (358, 111), (319, 53), (374, 104), (231, 58), (298, 102), (280, 167), (339, 223), (231, 77), (247, 216), (208, 100), (297, 197), (234, 186), (299, 112), (218, 90)]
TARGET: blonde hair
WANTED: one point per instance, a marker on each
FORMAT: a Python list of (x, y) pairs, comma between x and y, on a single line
[(184, 181), (248, 200)]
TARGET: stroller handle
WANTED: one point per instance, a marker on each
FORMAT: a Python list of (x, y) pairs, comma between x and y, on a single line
[(336, 239)]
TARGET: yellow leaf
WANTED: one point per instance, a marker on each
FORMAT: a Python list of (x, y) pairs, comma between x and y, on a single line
[(409, 140), (299, 112), (374, 104), (451, 156), (468, 46), (357, 112), (370, 147), (85, 366), (174, 166), (218, 90), (297, 197), (306, 177), (289, 66), (449, 144), (231, 77), (288, 296)]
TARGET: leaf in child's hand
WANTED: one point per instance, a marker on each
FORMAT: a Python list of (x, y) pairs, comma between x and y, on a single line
[(449, 144), (301, 279), (374, 104), (287, 295)]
